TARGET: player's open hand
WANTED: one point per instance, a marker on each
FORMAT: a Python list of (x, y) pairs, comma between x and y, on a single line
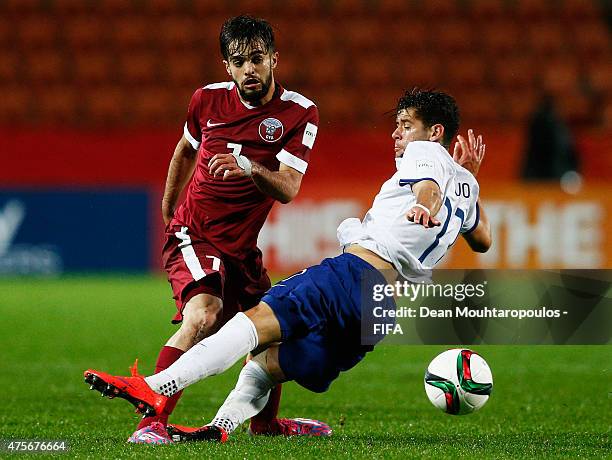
[(225, 165), (418, 215), (470, 153)]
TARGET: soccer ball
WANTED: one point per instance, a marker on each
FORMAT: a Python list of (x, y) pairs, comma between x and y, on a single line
[(458, 381)]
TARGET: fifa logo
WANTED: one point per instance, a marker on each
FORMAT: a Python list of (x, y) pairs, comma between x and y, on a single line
[(271, 129)]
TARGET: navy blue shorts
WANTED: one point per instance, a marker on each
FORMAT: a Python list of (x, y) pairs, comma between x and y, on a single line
[(319, 311)]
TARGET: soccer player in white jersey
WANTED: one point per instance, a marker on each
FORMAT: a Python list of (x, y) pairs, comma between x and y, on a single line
[(307, 328)]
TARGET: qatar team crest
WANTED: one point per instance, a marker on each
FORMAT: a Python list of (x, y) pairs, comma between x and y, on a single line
[(271, 129)]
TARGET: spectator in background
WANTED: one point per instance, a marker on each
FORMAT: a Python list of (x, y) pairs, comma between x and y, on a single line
[(551, 151)]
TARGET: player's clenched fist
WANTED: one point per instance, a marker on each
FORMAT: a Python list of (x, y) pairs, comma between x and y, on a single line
[(419, 214), (226, 165)]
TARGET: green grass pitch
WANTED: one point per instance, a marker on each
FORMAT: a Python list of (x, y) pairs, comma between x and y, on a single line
[(548, 401)]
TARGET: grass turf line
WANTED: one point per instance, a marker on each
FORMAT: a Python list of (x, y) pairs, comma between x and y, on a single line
[(548, 401)]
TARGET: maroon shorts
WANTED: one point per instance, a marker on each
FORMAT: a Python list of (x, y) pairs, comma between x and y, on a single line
[(195, 266)]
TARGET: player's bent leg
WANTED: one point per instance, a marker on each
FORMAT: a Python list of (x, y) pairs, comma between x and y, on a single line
[(211, 356), (247, 399), (284, 426), (268, 360), (266, 324), (201, 317), (269, 414), (217, 353)]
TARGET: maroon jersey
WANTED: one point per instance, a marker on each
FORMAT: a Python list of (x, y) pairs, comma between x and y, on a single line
[(230, 213)]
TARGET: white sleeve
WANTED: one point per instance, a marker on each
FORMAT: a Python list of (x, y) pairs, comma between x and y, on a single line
[(473, 215), (192, 140), (421, 161)]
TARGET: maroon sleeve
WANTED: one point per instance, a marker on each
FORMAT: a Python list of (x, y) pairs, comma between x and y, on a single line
[(192, 130), (296, 152)]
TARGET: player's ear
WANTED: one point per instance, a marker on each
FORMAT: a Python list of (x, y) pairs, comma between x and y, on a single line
[(436, 133), (227, 67), (274, 60)]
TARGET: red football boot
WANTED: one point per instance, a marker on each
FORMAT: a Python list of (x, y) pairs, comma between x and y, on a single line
[(180, 433), (134, 389), (291, 427)]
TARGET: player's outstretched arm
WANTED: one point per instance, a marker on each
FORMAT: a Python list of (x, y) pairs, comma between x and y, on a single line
[(480, 238), (180, 171)]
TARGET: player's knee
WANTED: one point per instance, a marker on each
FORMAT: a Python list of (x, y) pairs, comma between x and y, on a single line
[(201, 325), (266, 323), (201, 318), (268, 361)]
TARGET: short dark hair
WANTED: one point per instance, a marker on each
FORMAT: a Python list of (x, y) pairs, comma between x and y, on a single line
[(433, 107), (244, 30)]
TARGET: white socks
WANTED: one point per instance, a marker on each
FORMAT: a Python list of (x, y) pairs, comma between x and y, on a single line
[(214, 355), (247, 399), (211, 356)]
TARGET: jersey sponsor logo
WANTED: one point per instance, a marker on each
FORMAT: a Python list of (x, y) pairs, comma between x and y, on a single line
[(271, 129), (210, 124), (424, 164), (310, 134)]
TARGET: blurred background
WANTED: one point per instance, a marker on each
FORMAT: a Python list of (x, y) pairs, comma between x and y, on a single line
[(93, 95)]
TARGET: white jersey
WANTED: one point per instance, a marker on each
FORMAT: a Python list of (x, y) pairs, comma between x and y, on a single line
[(413, 249)]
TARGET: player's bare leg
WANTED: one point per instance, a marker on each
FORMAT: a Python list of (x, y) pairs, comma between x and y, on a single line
[(248, 398), (201, 317)]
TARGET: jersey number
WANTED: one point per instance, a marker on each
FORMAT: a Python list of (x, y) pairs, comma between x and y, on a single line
[(216, 262), (235, 148), (449, 213)]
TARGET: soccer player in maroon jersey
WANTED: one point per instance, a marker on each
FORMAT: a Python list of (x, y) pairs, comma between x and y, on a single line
[(246, 144), (317, 313)]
